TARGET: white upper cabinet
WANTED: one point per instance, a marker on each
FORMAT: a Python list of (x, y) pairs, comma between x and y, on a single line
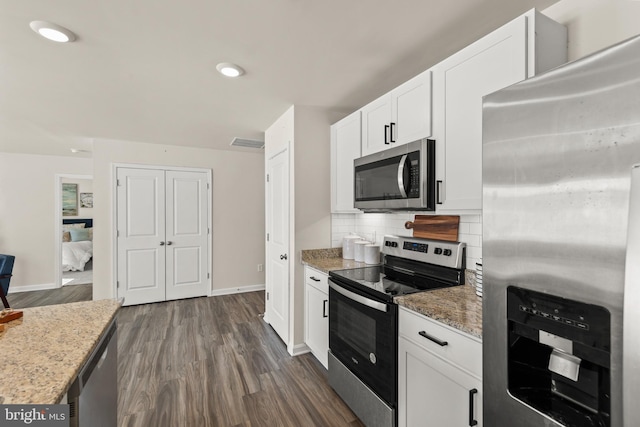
[(398, 117), (411, 110), (530, 44), (445, 103), (376, 125), (345, 147)]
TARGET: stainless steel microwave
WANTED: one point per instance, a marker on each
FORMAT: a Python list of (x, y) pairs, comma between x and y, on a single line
[(400, 178)]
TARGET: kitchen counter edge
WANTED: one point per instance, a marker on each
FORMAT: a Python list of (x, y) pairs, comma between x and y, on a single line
[(44, 351)]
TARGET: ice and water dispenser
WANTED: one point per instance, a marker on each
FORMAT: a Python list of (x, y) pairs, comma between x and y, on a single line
[(559, 357)]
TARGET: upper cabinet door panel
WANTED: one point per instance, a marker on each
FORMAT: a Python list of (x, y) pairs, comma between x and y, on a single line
[(411, 109), (376, 123), (494, 62), (345, 148)]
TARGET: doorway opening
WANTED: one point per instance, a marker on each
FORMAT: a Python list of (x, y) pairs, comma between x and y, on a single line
[(73, 218)]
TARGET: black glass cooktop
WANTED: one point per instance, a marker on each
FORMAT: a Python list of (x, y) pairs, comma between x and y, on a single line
[(372, 280)]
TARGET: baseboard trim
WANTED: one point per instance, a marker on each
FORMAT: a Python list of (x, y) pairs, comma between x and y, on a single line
[(299, 349), (29, 288), (238, 290)]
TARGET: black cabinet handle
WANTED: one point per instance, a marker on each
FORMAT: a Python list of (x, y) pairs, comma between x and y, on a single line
[(434, 339), (314, 279), (438, 185), (324, 308), (283, 256), (391, 132), (386, 129), (472, 422)]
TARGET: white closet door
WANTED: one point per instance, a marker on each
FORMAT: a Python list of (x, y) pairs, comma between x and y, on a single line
[(141, 235), (277, 286), (187, 234)]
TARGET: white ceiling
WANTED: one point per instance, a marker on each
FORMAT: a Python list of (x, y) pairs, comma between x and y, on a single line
[(144, 70)]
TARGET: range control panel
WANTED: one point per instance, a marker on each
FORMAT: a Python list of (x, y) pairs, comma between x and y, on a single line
[(446, 254)]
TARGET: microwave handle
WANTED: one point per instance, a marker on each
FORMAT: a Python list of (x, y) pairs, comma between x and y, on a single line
[(401, 167)]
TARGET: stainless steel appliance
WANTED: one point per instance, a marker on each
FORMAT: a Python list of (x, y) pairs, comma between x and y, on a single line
[(402, 177), (363, 320), (558, 152), (93, 396)]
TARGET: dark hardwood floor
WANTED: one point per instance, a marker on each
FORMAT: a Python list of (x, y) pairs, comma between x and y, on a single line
[(214, 362), (61, 295), (210, 362)]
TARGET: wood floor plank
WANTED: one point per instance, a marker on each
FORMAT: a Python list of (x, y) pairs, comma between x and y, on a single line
[(63, 295)]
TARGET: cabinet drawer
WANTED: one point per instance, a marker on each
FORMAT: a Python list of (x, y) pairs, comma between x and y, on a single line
[(455, 346), (317, 279)]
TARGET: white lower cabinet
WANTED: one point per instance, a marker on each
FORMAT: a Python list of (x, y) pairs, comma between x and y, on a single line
[(316, 305), (439, 384)]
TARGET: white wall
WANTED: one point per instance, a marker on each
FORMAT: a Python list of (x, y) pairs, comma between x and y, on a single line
[(311, 150), (596, 24), (238, 209), (27, 209)]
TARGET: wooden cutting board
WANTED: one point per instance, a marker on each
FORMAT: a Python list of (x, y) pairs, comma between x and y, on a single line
[(8, 315), (438, 227)]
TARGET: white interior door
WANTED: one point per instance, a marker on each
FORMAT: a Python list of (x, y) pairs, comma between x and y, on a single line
[(141, 235), (278, 257), (186, 234)]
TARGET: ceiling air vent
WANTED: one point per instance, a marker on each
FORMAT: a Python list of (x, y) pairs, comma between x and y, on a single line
[(249, 143)]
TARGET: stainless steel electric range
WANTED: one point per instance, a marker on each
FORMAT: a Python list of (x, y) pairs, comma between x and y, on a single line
[(363, 320)]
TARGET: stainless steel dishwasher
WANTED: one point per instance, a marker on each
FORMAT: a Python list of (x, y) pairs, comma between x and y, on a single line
[(93, 396)]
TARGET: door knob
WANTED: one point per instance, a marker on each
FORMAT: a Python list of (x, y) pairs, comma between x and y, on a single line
[(169, 243), (161, 243), (283, 256)]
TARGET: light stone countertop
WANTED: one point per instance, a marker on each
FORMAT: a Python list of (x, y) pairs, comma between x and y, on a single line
[(327, 260), (457, 306), (42, 353)]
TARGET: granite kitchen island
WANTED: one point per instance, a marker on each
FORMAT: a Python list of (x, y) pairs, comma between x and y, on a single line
[(43, 351)]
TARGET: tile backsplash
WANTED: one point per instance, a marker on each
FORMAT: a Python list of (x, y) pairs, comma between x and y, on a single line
[(373, 226)]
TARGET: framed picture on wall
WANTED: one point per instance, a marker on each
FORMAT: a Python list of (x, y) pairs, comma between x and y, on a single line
[(69, 199), (86, 200)]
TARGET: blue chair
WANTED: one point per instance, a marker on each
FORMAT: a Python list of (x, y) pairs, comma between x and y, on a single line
[(6, 268)]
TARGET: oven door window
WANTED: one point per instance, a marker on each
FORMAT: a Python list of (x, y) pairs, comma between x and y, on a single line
[(361, 339), (364, 339)]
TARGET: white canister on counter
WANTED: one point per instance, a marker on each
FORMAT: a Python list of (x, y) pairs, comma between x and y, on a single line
[(359, 249), (348, 246), (372, 254)]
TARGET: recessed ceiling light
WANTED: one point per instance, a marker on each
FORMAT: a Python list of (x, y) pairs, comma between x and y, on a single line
[(52, 32), (79, 150), (229, 70)]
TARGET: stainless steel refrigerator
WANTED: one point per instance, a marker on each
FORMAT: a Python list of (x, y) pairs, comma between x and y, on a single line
[(561, 246)]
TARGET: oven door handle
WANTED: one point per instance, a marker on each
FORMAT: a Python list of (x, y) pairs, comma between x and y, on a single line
[(401, 183), (380, 306)]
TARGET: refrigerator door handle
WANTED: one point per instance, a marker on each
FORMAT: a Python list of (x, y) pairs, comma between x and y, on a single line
[(631, 322)]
